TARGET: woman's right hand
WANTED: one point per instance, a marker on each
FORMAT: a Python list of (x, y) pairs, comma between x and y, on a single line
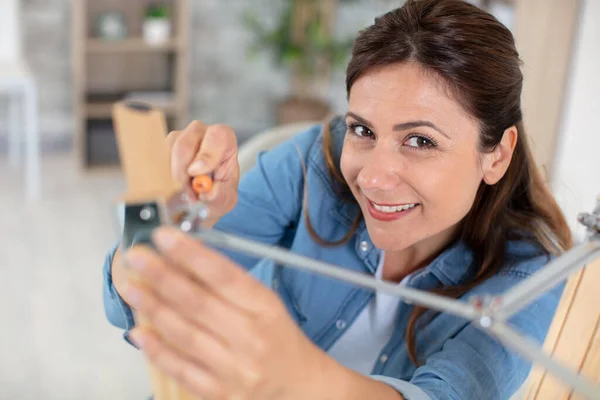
[(204, 149)]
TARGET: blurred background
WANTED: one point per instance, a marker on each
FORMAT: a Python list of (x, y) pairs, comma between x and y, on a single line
[(265, 67)]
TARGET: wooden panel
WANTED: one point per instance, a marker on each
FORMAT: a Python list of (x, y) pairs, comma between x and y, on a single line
[(144, 154), (544, 31), (146, 164), (574, 338), (103, 109), (591, 364), (556, 328)]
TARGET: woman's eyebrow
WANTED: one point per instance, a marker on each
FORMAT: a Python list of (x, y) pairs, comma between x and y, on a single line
[(415, 124), (400, 127)]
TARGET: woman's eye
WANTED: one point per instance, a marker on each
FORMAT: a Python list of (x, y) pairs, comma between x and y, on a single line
[(360, 130), (420, 142)]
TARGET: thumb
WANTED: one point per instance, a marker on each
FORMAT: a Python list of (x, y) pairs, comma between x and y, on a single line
[(218, 144)]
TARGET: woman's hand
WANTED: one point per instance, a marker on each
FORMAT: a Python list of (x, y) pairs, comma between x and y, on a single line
[(200, 149), (215, 329)]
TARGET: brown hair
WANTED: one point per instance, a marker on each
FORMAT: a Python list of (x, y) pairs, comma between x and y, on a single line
[(476, 57)]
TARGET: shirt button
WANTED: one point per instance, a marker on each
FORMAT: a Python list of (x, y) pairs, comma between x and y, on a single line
[(340, 324), (383, 359), (364, 246), (275, 283)]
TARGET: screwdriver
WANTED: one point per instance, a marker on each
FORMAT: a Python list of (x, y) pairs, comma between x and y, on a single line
[(202, 184)]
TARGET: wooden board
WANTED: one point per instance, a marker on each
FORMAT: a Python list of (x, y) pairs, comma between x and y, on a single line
[(146, 164), (574, 337), (144, 155)]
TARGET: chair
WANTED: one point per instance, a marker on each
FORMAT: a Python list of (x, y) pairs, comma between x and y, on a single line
[(18, 84), (266, 140)]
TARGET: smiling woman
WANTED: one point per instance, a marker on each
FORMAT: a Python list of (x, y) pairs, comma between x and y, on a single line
[(426, 182)]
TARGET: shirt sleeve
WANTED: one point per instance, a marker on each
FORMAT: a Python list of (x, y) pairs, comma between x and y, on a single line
[(269, 202), (270, 195), (408, 390), (117, 311), (474, 365)]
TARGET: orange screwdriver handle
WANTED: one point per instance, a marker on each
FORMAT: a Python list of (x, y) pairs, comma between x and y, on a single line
[(202, 184)]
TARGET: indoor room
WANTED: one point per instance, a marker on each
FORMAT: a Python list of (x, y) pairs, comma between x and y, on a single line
[(320, 164)]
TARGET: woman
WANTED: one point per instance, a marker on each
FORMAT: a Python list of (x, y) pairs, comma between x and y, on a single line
[(427, 181)]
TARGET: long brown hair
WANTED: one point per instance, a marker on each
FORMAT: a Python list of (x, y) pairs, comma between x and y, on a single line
[(476, 57)]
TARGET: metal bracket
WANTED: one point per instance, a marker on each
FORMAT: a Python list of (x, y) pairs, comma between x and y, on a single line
[(141, 218)]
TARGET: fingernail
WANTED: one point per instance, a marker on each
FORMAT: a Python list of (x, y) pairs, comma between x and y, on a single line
[(197, 167), (165, 238), (137, 337), (132, 295)]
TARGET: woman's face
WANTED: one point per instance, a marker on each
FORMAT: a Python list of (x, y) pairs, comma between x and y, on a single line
[(410, 157)]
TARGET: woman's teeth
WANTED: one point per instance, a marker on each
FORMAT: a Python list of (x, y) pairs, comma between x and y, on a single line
[(393, 209)]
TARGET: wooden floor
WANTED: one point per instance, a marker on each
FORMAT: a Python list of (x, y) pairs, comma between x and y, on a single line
[(55, 342)]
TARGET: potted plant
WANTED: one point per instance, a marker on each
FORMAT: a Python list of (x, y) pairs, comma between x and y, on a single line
[(157, 24), (302, 43)]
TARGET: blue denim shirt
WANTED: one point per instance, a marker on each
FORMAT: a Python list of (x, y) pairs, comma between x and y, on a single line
[(460, 361)]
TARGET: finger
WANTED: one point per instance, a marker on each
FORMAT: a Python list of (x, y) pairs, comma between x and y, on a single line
[(159, 283), (187, 297), (192, 342), (218, 146), (171, 137), (190, 376), (183, 150), (217, 272), (224, 194)]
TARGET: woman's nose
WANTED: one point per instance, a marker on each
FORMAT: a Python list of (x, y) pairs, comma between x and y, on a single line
[(378, 175)]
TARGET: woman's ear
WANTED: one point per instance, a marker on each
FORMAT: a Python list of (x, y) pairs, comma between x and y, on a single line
[(496, 162)]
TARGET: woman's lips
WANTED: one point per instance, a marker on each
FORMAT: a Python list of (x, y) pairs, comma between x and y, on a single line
[(389, 212)]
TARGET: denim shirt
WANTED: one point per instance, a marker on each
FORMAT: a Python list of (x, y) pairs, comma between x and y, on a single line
[(460, 361)]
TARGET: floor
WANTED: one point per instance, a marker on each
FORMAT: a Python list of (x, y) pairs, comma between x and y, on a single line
[(55, 342)]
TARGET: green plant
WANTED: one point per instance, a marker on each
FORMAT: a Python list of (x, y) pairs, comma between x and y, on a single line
[(157, 10), (316, 47)]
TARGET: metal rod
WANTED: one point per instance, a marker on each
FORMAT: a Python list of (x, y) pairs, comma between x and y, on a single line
[(532, 351), (432, 301), (545, 279)]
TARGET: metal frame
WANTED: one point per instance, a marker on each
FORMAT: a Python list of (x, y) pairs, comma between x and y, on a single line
[(489, 313)]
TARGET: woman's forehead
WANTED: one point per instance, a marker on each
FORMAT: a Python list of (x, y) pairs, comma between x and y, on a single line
[(404, 91)]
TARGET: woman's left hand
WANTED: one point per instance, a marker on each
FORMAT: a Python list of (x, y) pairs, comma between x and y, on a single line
[(216, 330)]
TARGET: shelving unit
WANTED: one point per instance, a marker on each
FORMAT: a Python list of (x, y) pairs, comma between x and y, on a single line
[(110, 70)]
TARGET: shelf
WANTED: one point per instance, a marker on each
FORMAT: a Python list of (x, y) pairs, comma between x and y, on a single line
[(106, 71), (129, 45)]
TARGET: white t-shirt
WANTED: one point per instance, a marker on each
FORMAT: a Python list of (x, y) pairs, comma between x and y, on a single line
[(359, 347)]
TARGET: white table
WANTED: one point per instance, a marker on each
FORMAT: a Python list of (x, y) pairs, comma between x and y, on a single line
[(18, 83)]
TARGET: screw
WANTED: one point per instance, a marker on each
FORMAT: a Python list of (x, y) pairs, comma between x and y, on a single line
[(203, 213), (485, 321), (186, 225), (147, 213), (590, 221)]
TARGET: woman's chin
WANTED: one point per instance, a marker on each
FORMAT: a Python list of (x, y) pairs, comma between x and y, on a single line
[(388, 241)]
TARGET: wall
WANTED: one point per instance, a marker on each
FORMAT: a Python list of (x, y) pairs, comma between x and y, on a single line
[(226, 86), (576, 176), (9, 28)]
